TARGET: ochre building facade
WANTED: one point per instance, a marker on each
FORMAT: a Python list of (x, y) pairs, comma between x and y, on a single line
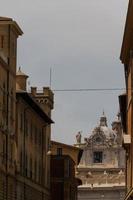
[(9, 32), (25, 126), (126, 100), (33, 143), (64, 159)]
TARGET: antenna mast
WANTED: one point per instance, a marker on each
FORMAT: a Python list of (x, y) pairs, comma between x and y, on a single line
[(50, 80)]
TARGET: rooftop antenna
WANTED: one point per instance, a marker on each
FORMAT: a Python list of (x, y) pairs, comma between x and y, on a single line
[(50, 80)]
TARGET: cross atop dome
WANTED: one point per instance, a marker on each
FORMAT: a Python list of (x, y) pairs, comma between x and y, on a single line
[(103, 120)]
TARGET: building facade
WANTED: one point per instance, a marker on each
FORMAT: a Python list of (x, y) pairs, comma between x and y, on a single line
[(9, 32), (25, 126), (102, 166), (126, 103), (33, 142), (63, 181), (64, 159), (58, 148)]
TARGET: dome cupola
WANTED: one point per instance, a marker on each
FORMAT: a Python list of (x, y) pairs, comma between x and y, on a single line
[(103, 120)]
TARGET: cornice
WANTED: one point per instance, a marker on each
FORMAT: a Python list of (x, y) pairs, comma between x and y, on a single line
[(9, 21), (127, 43)]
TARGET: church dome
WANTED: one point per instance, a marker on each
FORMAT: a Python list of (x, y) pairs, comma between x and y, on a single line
[(103, 130), (107, 132)]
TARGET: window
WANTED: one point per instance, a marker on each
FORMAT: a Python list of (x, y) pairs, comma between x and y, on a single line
[(31, 130), (21, 162), (13, 46), (21, 121), (97, 157), (26, 127), (11, 154), (4, 96), (35, 132), (26, 164), (68, 168), (3, 152), (4, 186), (40, 137), (44, 141), (70, 192), (12, 104), (35, 170), (31, 168), (59, 151), (2, 41), (40, 172), (48, 144)]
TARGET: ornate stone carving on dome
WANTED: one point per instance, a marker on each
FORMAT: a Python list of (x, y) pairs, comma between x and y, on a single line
[(102, 136)]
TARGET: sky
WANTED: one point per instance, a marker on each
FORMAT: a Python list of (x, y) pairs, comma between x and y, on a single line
[(80, 40)]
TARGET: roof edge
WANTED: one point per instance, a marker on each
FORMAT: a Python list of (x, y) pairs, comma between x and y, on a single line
[(10, 21), (125, 41)]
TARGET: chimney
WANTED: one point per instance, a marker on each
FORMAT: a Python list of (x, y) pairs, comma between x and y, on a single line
[(21, 80), (33, 91)]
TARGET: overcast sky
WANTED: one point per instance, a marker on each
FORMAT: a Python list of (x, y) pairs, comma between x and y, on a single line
[(81, 41)]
